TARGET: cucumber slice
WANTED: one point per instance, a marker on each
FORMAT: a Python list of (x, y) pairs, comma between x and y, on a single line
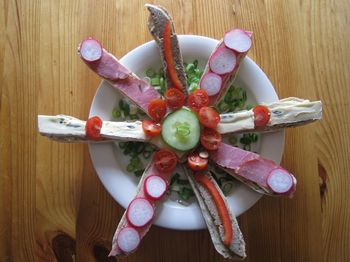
[(181, 130)]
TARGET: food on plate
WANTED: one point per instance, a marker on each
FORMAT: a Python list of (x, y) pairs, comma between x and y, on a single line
[(140, 212), (185, 128), (221, 222), (122, 79), (161, 26), (288, 112), (197, 162), (155, 187), (139, 216), (254, 171), (181, 130), (224, 63), (70, 129)]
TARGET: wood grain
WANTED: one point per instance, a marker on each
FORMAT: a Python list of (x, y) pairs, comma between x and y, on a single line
[(53, 207)]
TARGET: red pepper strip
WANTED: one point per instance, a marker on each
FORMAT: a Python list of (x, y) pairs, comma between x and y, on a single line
[(220, 205), (168, 53)]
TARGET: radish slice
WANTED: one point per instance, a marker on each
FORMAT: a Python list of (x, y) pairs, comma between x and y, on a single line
[(140, 212), (223, 61), (280, 181), (238, 40), (211, 83), (155, 187), (90, 50), (128, 239)]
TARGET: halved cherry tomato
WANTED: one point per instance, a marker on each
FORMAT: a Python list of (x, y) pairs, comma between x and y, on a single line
[(196, 163), (209, 117), (151, 127), (157, 109), (261, 115), (165, 160), (93, 128), (198, 99), (174, 98), (210, 139)]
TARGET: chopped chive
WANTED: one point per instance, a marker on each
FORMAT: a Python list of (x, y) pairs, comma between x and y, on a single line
[(150, 72), (226, 188), (130, 168), (186, 193), (116, 113), (193, 87), (190, 67), (223, 107), (155, 81), (139, 173)]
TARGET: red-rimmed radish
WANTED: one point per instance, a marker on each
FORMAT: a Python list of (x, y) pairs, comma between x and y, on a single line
[(128, 239), (155, 187), (238, 40), (90, 50), (211, 83), (280, 181), (223, 61), (140, 212)]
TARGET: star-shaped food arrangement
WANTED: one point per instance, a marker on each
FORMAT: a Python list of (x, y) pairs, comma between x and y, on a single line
[(184, 125)]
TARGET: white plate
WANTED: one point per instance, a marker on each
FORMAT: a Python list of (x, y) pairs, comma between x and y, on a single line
[(122, 186)]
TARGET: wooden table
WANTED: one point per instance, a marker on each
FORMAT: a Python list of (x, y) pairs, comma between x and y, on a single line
[(53, 206)]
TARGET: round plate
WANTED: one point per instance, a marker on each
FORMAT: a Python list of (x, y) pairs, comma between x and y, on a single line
[(122, 186)]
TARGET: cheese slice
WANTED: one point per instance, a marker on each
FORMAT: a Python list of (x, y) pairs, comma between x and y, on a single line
[(286, 112), (70, 129)]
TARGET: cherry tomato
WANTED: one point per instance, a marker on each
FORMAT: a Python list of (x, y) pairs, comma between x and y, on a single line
[(261, 115), (151, 127), (174, 98), (209, 117), (210, 139), (198, 99), (165, 160), (157, 109), (93, 128), (196, 163)]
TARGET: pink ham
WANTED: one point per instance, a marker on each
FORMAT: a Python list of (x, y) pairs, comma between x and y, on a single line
[(150, 170), (251, 169), (122, 79)]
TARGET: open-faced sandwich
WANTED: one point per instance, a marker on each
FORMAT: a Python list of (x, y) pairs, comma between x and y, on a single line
[(186, 128)]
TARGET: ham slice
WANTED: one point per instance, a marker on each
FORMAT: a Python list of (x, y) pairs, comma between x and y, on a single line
[(249, 168), (122, 79), (150, 170)]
